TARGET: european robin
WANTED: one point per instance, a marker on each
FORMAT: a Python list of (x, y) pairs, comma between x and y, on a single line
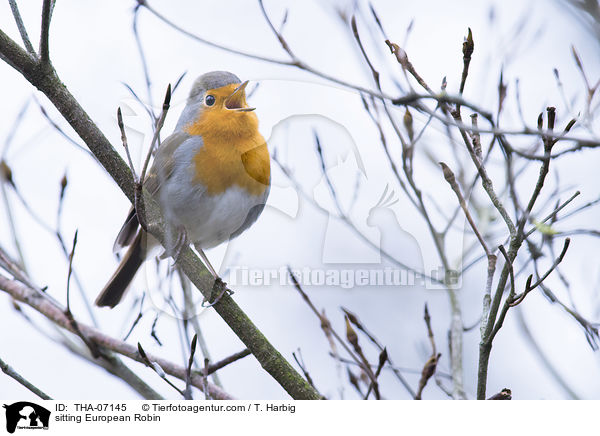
[(211, 177)]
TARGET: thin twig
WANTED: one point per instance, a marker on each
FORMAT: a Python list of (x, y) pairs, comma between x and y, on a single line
[(190, 313), (214, 367), (430, 366), (188, 373), (449, 176), (205, 378), (61, 131), (137, 319), (300, 362), (9, 371), (71, 255), (159, 125), (360, 360), (47, 9), (139, 201), (22, 30), (159, 371), (468, 47), (352, 338), (530, 287), (383, 358), (125, 144), (552, 214), (486, 181), (6, 181), (140, 50), (356, 321)]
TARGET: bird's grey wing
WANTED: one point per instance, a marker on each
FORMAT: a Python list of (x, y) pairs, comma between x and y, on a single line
[(154, 179), (253, 214), (164, 162)]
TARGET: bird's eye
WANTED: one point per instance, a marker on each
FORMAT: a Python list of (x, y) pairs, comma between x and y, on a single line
[(209, 100)]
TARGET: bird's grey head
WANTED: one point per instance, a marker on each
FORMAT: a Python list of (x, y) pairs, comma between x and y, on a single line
[(212, 80)]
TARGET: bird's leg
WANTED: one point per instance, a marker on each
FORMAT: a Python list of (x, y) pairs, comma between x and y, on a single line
[(174, 246), (206, 261), (219, 286)]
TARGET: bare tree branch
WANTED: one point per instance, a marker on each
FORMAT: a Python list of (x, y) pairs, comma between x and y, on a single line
[(9, 371), (57, 315)]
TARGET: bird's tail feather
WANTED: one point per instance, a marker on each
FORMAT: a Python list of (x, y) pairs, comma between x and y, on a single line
[(116, 287)]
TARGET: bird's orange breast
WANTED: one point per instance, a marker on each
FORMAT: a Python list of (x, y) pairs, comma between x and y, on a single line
[(220, 165), (234, 153)]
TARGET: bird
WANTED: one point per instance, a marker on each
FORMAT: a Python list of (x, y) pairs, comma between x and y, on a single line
[(211, 178)]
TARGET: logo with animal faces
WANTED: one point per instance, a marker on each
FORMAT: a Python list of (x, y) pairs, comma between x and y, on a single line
[(24, 415)]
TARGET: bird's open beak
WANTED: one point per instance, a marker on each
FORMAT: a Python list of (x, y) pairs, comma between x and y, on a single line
[(237, 100)]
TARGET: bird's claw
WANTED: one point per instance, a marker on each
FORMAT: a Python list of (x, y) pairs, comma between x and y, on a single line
[(174, 250), (218, 291)]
